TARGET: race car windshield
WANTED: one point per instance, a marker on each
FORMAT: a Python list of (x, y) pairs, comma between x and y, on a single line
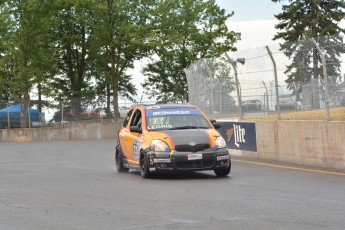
[(174, 119)]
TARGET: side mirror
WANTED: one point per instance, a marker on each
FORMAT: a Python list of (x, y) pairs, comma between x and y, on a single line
[(135, 129), (217, 125), (213, 121)]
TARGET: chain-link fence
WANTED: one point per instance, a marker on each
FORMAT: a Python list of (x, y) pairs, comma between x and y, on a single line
[(272, 80), (246, 83), (58, 114)]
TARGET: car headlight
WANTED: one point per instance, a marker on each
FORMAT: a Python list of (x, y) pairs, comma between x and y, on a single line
[(220, 142), (159, 146)]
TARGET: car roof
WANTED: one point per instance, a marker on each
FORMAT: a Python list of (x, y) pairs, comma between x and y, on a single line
[(167, 106)]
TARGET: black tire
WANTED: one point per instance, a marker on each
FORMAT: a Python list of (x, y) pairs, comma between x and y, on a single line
[(223, 172), (144, 167), (118, 161)]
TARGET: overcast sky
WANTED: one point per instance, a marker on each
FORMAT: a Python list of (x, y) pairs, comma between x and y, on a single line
[(254, 19), (248, 10)]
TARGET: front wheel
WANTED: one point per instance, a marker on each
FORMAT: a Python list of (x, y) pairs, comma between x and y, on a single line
[(144, 167), (223, 172), (119, 162)]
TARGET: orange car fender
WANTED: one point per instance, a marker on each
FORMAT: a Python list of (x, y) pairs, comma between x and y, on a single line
[(212, 134)]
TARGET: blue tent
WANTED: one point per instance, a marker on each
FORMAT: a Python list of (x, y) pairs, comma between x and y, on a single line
[(12, 113)]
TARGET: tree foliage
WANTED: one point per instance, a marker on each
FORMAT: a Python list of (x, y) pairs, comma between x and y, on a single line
[(122, 28), (73, 50), (185, 31), (22, 56), (301, 20)]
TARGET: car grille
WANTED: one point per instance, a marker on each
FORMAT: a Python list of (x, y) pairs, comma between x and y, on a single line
[(194, 164), (189, 148)]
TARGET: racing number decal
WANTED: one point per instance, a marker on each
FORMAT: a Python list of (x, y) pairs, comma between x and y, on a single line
[(136, 148)]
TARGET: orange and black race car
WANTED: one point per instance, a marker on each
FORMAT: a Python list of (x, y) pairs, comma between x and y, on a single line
[(170, 137)]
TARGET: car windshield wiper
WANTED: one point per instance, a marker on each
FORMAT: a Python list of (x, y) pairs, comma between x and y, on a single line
[(188, 127)]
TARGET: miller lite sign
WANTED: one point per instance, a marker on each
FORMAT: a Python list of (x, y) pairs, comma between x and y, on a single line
[(239, 135)]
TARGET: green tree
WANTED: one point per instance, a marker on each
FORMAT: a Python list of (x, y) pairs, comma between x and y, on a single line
[(103, 87), (122, 29), (305, 19), (22, 55), (186, 30), (5, 25), (72, 37)]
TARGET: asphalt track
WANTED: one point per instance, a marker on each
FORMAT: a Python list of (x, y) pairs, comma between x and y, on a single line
[(73, 185)]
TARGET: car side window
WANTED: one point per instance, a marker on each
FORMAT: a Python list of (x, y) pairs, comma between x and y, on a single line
[(129, 114), (136, 120)]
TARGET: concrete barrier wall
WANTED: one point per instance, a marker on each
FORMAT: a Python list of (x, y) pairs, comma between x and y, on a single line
[(335, 140), (80, 131), (313, 143)]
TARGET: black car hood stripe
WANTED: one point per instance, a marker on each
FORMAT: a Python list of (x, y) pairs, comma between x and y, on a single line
[(189, 137)]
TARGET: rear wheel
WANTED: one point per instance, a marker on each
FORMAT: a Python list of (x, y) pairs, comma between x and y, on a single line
[(223, 172), (144, 167), (119, 162)]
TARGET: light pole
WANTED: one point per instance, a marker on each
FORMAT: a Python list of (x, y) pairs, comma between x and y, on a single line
[(239, 94)]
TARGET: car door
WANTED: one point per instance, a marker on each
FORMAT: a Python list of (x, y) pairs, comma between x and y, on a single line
[(124, 135), (133, 140)]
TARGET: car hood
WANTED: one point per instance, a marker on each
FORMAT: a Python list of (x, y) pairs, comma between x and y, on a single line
[(187, 136)]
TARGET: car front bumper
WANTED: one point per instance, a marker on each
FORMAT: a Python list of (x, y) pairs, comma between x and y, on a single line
[(189, 161)]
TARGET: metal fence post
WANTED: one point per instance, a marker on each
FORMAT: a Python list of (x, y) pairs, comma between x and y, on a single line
[(61, 112), (28, 114), (267, 107), (8, 117), (239, 96), (276, 81), (211, 76), (325, 77)]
